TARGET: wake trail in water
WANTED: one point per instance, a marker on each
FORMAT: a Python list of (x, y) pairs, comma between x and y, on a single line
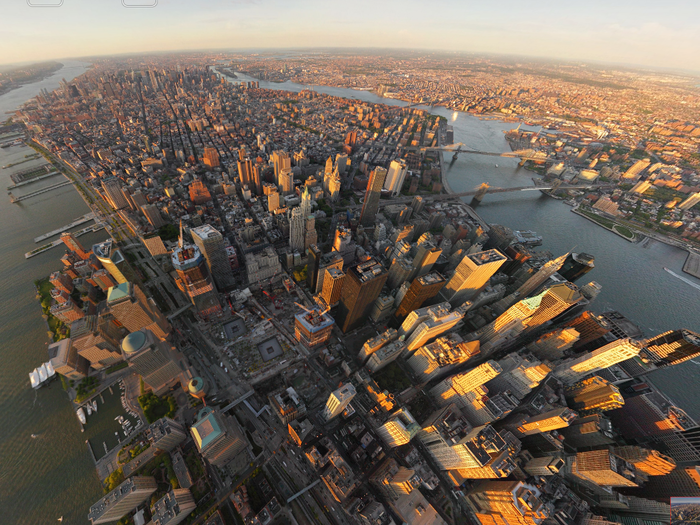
[(687, 281)]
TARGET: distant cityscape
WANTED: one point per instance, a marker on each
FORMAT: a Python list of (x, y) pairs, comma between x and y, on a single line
[(302, 321)]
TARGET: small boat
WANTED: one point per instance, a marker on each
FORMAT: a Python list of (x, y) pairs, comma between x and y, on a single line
[(94, 405), (81, 415), (497, 165), (89, 409), (60, 519), (34, 436)]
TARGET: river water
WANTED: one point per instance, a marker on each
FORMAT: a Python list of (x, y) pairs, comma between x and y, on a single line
[(53, 475)]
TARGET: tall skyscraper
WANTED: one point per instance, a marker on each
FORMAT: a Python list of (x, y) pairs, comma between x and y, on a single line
[(362, 285), (73, 245), (421, 289), (395, 177), (650, 462), (372, 195), (280, 161), (194, 279), (508, 502), (690, 201), (152, 214), (574, 369), (113, 190), (97, 340), (552, 345), (681, 482), (436, 324), (427, 255), (399, 429), (245, 173), (297, 229), (152, 359), (130, 307), (437, 359), (114, 262), (217, 436), (548, 269), (305, 202), (332, 286), (576, 265), (173, 508), (589, 327), (211, 244), (127, 496), (550, 420), (603, 468), (286, 181), (671, 348), (471, 275), (453, 388), (338, 401), (165, 434), (313, 328), (593, 395), (312, 269)]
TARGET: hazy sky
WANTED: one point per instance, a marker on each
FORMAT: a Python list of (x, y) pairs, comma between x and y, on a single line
[(662, 33)]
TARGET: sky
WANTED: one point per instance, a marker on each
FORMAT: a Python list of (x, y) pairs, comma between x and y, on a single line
[(658, 33)]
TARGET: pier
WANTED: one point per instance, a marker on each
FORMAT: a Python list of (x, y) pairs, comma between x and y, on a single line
[(35, 179), (58, 242), (39, 192), (77, 222), (692, 264)]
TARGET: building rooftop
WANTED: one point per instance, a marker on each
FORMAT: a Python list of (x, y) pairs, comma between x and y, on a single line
[(134, 342), (119, 292), (367, 270), (205, 231), (486, 257), (186, 257), (314, 322), (206, 429), (111, 499)]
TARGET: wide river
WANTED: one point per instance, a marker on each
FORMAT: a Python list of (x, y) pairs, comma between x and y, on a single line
[(53, 475)]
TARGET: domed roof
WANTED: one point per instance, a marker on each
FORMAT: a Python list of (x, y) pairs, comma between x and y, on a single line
[(134, 342), (196, 385)]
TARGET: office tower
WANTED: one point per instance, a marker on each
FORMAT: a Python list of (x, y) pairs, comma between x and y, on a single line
[(589, 431), (199, 194), (506, 502), (332, 286), (551, 420), (393, 481), (574, 369), (218, 437), (362, 285), (286, 181), (399, 272), (273, 201), (152, 214), (297, 228), (344, 245), (334, 186), (545, 272), (112, 189), (681, 482), (97, 340), (382, 309), (544, 466), (138, 198), (338, 401), (211, 245), (73, 245), (245, 173), (671, 348), (482, 409), (194, 279), (471, 275), (375, 343), (603, 468), (421, 289), (395, 177), (305, 202), (385, 355), (399, 429), (61, 281), (436, 324), (114, 262), (372, 195), (427, 255), (589, 326), (552, 345), (593, 395), (65, 360), (576, 265), (690, 201), (287, 405), (312, 269), (152, 359), (416, 317), (280, 161), (527, 315), (211, 157), (313, 328), (173, 508), (440, 357), (127, 496), (649, 462), (165, 434), (453, 388), (520, 374), (131, 308), (327, 261)]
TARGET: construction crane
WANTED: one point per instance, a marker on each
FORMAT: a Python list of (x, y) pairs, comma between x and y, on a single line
[(312, 311)]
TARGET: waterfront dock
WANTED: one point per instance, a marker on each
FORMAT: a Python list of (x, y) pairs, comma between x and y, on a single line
[(35, 179), (692, 264), (58, 242), (77, 222), (39, 192)]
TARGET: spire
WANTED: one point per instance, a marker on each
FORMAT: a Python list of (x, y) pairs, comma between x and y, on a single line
[(180, 241)]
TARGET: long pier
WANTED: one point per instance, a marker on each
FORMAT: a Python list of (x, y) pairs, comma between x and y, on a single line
[(35, 179), (39, 192), (77, 222), (58, 242), (692, 264)]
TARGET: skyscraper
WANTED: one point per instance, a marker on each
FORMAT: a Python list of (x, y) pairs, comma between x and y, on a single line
[(152, 359), (508, 502), (427, 255), (471, 275), (550, 420), (245, 173), (650, 462), (97, 340), (421, 289), (134, 311), (395, 177), (436, 324), (603, 468), (552, 345), (440, 357), (211, 244), (671, 348), (362, 285), (305, 202), (211, 157), (372, 195), (73, 245), (194, 279), (453, 388), (113, 190), (286, 181), (576, 265), (573, 369), (332, 286), (297, 229), (280, 161), (217, 436), (690, 201), (114, 262), (593, 395), (312, 269), (127, 496), (313, 328), (152, 214), (399, 429), (338, 401), (173, 508), (548, 269)]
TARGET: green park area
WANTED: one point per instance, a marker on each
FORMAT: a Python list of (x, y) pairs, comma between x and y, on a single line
[(155, 407)]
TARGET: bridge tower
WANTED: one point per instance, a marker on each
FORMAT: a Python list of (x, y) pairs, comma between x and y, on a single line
[(481, 192), (454, 157)]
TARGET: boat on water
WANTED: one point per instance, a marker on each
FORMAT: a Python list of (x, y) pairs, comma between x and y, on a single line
[(81, 415), (687, 281), (89, 409), (34, 436), (94, 405), (42, 375)]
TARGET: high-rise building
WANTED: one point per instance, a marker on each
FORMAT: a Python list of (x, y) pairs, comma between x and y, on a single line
[(399, 272), (375, 343), (422, 289), (338, 401), (576, 265), (399, 429), (471, 275), (552, 345), (297, 229), (452, 389), (385, 355), (152, 359), (165, 434), (436, 324), (520, 374), (199, 193), (73, 245), (649, 462), (218, 437), (134, 311), (634, 171), (362, 285), (211, 245), (97, 340), (681, 482), (326, 261), (574, 369), (441, 356), (280, 161), (312, 269), (593, 395), (393, 481), (127, 496), (508, 502), (545, 272), (589, 326), (589, 431), (332, 286), (194, 279), (551, 420), (286, 181), (603, 468), (372, 195), (245, 173), (113, 190), (395, 177), (66, 361), (305, 202), (671, 348), (152, 214), (544, 466), (427, 255), (313, 328), (173, 508), (114, 262), (211, 157)]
